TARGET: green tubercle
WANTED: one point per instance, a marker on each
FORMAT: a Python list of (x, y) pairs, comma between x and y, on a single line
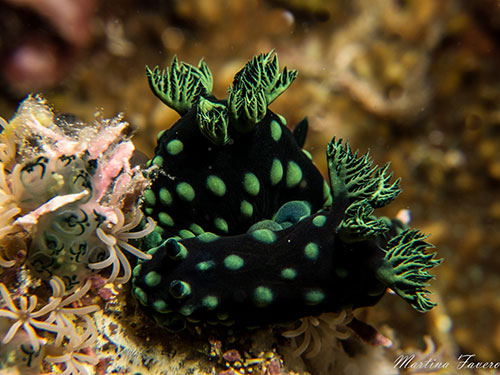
[(174, 147), (263, 296), (293, 174), (276, 173), (233, 262), (251, 184), (185, 191), (216, 185)]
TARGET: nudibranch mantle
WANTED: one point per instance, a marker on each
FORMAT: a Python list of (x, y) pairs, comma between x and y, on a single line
[(249, 232)]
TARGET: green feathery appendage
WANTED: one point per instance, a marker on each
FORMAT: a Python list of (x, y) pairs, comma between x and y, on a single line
[(404, 268), (359, 223), (355, 178), (181, 85), (256, 86), (213, 120)]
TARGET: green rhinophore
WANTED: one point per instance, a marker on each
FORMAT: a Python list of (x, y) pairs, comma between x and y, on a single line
[(181, 85), (254, 88), (213, 121)]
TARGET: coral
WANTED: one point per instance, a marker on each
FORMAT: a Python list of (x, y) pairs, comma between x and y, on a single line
[(331, 325), (26, 317), (74, 358), (244, 207), (68, 201)]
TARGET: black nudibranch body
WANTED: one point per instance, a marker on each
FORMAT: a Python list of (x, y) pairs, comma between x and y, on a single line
[(249, 233)]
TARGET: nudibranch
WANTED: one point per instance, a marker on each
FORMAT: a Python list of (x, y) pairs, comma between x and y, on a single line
[(249, 233)]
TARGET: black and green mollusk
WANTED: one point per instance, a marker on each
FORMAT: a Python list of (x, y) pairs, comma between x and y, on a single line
[(249, 233)]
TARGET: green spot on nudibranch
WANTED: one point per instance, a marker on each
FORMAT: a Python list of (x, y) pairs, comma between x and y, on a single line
[(165, 197), (196, 229), (307, 154), (165, 219), (221, 224), (141, 296), (152, 279), (161, 306), (251, 184), (206, 265), (157, 160), (160, 134), (234, 262), (137, 270), (314, 297), (246, 208), (319, 220), (262, 296), (216, 185), (210, 302), (207, 237), (184, 233), (149, 211), (282, 119), (149, 197), (293, 174), (311, 251), (275, 130), (288, 273), (186, 310), (185, 191), (174, 147), (276, 173), (264, 235)]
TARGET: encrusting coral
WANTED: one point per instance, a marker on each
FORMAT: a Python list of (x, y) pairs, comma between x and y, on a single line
[(68, 201)]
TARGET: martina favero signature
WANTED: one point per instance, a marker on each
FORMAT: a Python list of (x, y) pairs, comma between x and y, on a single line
[(464, 361)]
